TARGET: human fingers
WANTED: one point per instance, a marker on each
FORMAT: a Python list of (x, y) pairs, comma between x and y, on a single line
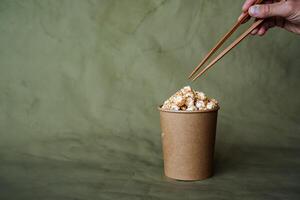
[(269, 23), (254, 31), (269, 10), (245, 8), (246, 11), (247, 5)]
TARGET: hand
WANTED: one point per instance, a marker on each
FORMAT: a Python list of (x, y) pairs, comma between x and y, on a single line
[(284, 14)]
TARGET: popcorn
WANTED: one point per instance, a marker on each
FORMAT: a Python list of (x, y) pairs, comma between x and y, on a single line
[(200, 104), (209, 105), (189, 95), (189, 101), (175, 107), (191, 108), (186, 89), (179, 101), (186, 99), (200, 95), (183, 108), (166, 107), (214, 101)]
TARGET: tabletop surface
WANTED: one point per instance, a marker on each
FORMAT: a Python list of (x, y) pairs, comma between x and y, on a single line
[(104, 166)]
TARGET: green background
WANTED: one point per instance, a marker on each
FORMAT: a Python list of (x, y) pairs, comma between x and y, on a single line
[(80, 82)]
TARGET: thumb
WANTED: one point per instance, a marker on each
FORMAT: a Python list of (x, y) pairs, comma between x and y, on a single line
[(280, 9)]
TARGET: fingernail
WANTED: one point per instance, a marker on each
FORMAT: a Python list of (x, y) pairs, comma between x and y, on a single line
[(254, 10)]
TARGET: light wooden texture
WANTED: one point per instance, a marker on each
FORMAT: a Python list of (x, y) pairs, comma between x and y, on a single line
[(222, 40), (231, 46)]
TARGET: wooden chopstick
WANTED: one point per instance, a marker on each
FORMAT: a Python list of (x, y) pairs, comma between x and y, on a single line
[(222, 40), (219, 44), (231, 46)]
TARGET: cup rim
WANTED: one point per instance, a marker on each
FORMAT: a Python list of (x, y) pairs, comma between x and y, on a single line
[(188, 112)]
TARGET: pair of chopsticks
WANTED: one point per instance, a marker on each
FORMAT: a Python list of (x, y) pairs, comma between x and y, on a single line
[(222, 40)]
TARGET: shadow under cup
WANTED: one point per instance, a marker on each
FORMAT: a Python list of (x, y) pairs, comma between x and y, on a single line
[(188, 139)]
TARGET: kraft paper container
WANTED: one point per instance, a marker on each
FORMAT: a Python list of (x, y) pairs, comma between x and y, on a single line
[(188, 140)]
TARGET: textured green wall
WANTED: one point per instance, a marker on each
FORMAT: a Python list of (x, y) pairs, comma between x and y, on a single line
[(80, 80)]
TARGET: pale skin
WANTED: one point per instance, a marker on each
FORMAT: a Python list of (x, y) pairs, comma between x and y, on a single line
[(284, 14)]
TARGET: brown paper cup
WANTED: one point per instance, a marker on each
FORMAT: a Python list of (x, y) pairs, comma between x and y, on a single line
[(188, 139)]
